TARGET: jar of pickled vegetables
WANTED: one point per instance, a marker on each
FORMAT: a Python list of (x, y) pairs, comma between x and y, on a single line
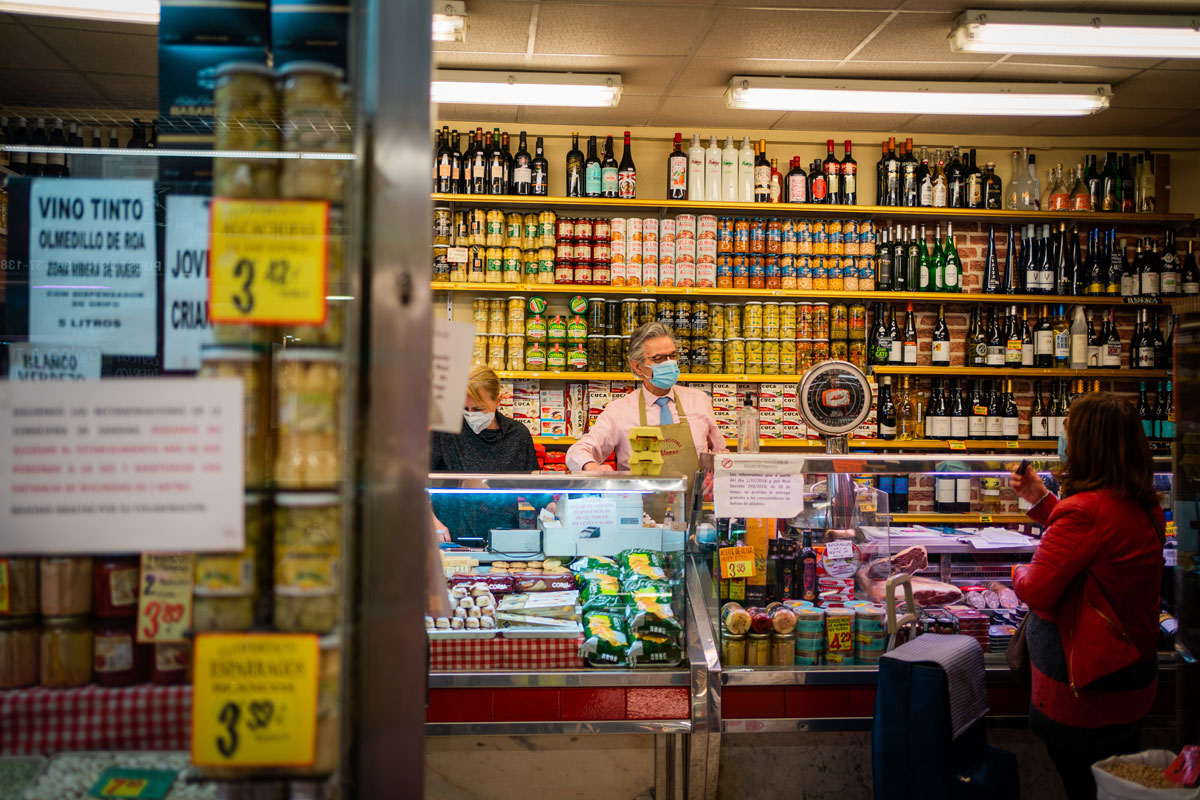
[(66, 586), (18, 652), (308, 535), (249, 365), (66, 652), (115, 587), (119, 660), (19, 586), (308, 450)]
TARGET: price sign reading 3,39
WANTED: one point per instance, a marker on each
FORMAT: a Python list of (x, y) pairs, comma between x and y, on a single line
[(254, 700), (268, 261)]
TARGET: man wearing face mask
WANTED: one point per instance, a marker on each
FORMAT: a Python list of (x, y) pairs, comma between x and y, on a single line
[(489, 442), (685, 415)]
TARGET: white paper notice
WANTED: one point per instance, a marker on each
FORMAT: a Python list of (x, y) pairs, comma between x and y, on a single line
[(186, 327), (452, 344), (92, 255), (127, 466), (586, 512), (754, 486), (48, 362)]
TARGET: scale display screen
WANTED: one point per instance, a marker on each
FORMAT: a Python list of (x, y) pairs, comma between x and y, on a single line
[(835, 397)]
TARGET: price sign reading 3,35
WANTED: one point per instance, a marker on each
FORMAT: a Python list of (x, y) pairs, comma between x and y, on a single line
[(737, 562)]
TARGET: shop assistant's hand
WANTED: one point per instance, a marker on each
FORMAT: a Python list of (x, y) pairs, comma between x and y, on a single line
[(1028, 486), (596, 466), (440, 532)]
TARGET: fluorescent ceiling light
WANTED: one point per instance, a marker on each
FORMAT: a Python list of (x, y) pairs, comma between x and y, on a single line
[(144, 11), (164, 152), (526, 88), (1078, 34), (449, 20), (912, 97)]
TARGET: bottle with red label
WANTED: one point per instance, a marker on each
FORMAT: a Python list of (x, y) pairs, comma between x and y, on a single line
[(833, 175), (115, 587), (808, 570), (776, 182), (818, 189), (795, 186), (118, 659), (677, 165), (849, 168)]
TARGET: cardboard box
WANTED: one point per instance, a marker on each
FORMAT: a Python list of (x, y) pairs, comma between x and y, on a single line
[(770, 430), (577, 409), (209, 22), (309, 30)]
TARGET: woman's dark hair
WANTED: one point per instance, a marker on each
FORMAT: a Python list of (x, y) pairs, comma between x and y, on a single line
[(1107, 449)]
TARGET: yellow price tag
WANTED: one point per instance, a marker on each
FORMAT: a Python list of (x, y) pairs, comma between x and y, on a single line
[(165, 597), (985, 517), (1012, 444), (737, 562), (957, 445), (268, 261), (124, 787), (254, 700), (837, 632)]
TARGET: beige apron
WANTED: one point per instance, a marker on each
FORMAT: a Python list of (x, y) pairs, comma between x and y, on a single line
[(678, 450)]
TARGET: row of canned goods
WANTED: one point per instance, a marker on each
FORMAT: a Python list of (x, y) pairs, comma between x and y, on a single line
[(494, 228)]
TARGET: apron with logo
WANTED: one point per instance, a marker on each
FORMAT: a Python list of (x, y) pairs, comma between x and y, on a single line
[(678, 451)]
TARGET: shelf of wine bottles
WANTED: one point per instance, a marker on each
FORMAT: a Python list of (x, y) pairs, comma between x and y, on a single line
[(824, 211), (915, 445), (1024, 372)]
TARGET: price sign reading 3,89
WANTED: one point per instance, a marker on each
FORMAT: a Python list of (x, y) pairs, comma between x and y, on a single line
[(268, 261), (254, 700)]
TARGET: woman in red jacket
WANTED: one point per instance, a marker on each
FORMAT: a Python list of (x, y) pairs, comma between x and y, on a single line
[(1093, 589)]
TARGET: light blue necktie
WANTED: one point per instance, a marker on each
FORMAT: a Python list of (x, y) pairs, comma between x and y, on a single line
[(664, 413)]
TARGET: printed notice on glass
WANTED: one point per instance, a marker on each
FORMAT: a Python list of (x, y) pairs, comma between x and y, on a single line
[(186, 326), (451, 361), (756, 486), (127, 466), (52, 362), (92, 270)]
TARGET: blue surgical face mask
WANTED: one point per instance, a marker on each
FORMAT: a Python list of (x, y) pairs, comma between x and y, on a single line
[(1062, 446), (665, 375)]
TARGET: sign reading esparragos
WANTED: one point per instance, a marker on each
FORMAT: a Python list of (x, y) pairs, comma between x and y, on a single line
[(92, 279)]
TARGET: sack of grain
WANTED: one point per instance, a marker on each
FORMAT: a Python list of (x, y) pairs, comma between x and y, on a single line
[(1138, 777)]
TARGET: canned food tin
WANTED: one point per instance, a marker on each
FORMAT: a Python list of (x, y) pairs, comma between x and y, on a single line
[(839, 321), (647, 311), (495, 265), (616, 230), (804, 320), (629, 316), (706, 227), (582, 229), (443, 225), (685, 226), (633, 229), (683, 318), (820, 329), (700, 319), (735, 356), (566, 228), (536, 329), (858, 322), (804, 354)]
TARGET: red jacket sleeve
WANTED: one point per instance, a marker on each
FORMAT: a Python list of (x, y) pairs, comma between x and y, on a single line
[(1068, 546)]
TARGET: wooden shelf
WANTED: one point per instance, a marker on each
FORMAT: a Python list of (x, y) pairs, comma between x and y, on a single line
[(953, 519), (917, 445), (687, 377), (1027, 372), (930, 298), (809, 210)]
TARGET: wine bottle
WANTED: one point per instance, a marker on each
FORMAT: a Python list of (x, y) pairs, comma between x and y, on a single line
[(1046, 267), (995, 341), (1078, 268), (937, 261), (1093, 341), (941, 196), (795, 187), (1012, 342), (729, 171), (940, 349), (1078, 331), (1008, 279), (539, 170), (959, 429), (832, 169), (479, 165), (993, 187), (1111, 346), (910, 336), (924, 181), (1161, 352), (1144, 411), (995, 410), (937, 418), (906, 415), (776, 182), (886, 411), (883, 262), (497, 177), (1011, 421), (956, 185), (627, 173), (1190, 275), (816, 183), (575, 169), (1149, 274), (610, 185), (1097, 266), (1168, 425), (1130, 280), (1037, 413), (974, 180), (1110, 183), (593, 181), (1030, 253), (953, 271), (881, 175), (900, 261), (893, 185), (908, 176), (978, 340), (881, 343), (444, 165), (1169, 266), (677, 170), (1146, 195), (1063, 269), (1126, 193), (507, 157), (914, 260), (924, 265), (991, 269), (1062, 340), (896, 356), (849, 170), (1026, 340), (522, 170), (1043, 341), (762, 174)]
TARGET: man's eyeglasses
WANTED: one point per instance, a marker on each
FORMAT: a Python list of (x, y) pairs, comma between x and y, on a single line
[(673, 355)]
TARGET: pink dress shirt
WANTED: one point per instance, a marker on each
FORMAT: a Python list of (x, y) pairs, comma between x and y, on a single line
[(611, 431)]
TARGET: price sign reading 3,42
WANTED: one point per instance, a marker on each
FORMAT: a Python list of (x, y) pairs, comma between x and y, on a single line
[(737, 562), (268, 261)]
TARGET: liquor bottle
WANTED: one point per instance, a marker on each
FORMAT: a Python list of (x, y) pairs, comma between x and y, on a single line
[(762, 174), (1008, 278), (712, 170), (943, 494), (959, 428), (593, 185), (1064, 286), (881, 175), (1135, 343), (1012, 197), (522, 172), (1012, 342), (610, 181), (1110, 350), (1060, 409), (974, 180), (995, 341), (991, 269), (849, 171), (575, 169), (1168, 423), (1092, 181), (1146, 201), (893, 195), (1011, 421), (914, 260), (1093, 341), (1144, 411), (806, 569), (138, 140), (977, 340), (539, 170), (56, 163), (924, 265), (1043, 341), (1161, 352), (956, 182), (941, 192), (1168, 285), (1146, 350), (1126, 192), (1030, 255), (444, 166), (993, 187), (880, 352), (1029, 192), (729, 171), (1046, 266), (627, 173), (832, 170), (976, 412), (19, 161), (467, 181), (1059, 198), (458, 164), (1026, 340), (937, 260), (1110, 183), (113, 136), (695, 179), (886, 412), (776, 182), (1037, 413), (497, 183), (896, 356), (908, 176), (507, 156), (900, 261), (994, 422), (883, 263), (1081, 198), (937, 417), (1150, 279), (677, 168), (952, 281), (924, 181), (1129, 279), (1062, 340), (1190, 275), (910, 336), (1159, 410), (1078, 357), (479, 164), (816, 183), (906, 415), (940, 348), (795, 187), (746, 172), (1097, 266)]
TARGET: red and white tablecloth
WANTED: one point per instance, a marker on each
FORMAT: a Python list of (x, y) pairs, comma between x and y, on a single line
[(503, 653), (45, 721)]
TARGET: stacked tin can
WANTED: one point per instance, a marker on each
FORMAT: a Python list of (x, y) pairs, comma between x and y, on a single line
[(498, 247), (870, 631), (583, 253), (810, 634)]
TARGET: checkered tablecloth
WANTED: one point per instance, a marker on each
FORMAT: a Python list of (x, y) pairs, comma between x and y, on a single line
[(502, 653), (45, 721)]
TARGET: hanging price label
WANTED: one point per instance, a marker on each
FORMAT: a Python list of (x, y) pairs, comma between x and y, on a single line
[(254, 700), (985, 517), (165, 597), (737, 562), (268, 261), (147, 784), (837, 632), (957, 445), (1012, 444)]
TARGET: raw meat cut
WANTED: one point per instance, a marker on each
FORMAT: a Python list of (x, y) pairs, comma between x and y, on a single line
[(1008, 598), (926, 592), (910, 560)]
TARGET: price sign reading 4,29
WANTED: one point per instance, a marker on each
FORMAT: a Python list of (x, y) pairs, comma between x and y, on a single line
[(737, 562), (838, 632), (268, 261), (254, 700)]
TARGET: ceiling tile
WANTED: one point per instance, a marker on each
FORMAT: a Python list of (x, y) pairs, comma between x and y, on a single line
[(912, 70), (958, 6), (629, 30), (844, 5), (955, 124), (1139, 6), (788, 34), (917, 34), (71, 23), (832, 121), (129, 91), (1085, 61), (1113, 122), (494, 26), (710, 112), (639, 75), (100, 51), (632, 112), (471, 113), (1159, 88), (47, 89), (1178, 63), (1185, 125), (1008, 71), (23, 49)]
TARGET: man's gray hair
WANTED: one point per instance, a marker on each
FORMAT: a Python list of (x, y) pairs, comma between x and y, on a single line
[(651, 330)]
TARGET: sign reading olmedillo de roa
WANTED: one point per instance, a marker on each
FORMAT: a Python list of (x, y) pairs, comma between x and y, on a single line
[(92, 254), (126, 466)]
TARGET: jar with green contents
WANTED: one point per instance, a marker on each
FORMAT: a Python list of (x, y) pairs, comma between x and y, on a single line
[(735, 356), (536, 329), (535, 356), (514, 264), (770, 355), (596, 354), (758, 650), (716, 321), (308, 535), (577, 329), (754, 356), (556, 329), (839, 321), (700, 353), (225, 585), (716, 356), (577, 357), (647, 311), (556, 357), (787, 357), (494, 265), (733, 649), (613, 354), (733, 321)]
